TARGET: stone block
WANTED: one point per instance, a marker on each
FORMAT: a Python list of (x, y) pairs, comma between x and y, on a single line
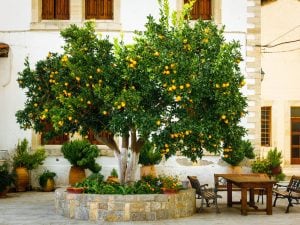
[(81, 213), (137, 216), (137, 207), (150, 216)]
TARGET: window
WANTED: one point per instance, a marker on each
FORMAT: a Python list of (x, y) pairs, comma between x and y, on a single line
[(91, 138), (201, 9), (99, 9), (58, 140), (55, 10), (266, 126)]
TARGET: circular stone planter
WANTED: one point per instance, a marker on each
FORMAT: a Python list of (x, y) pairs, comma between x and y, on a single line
[(148, 207)]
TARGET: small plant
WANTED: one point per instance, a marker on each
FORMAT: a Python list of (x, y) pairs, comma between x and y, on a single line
[(170, 182), (43, 178), (114, 173), (261, 166), (148, 155), (274, 157), (23, 158), (6, 178), (82, 154), (235, 154)]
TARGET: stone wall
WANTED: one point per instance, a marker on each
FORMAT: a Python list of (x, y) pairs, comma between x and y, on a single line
[(149, 207)]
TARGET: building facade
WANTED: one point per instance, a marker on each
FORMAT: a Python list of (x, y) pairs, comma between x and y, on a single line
[(280, 92), (30, 28)]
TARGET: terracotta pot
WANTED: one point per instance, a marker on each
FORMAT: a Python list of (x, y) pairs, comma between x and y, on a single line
[(75, 190), (276, 170), (169, 191), (4, 192), (49, 186), (111, 179), (76, 174), (148, 170), (22, 180)]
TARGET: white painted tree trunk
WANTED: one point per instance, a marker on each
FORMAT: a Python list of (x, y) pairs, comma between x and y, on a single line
[(132, 167)]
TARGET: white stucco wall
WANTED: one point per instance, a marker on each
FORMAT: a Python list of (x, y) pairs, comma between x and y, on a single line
[(15, 31), (280, 87)]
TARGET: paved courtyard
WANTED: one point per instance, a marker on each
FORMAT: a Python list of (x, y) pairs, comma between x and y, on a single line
[(37, 208)]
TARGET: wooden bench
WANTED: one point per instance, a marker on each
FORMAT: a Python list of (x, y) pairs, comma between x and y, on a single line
[(291, 192), (221, 184)]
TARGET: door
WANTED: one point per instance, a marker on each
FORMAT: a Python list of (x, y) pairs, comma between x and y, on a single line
[(295, 140)]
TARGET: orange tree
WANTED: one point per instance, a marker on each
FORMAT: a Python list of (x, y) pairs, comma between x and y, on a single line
[(177, 84)]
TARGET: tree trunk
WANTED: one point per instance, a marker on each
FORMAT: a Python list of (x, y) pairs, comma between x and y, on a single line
[(127, 166)]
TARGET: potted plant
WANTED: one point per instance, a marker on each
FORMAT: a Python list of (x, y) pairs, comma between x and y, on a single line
[(82, 155), (113, 178), (275, 158), (24, 161), (6, 179), (46, 180), (170, 184), (234, 155), (148, 159)]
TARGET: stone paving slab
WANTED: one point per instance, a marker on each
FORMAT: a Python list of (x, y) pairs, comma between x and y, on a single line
[(37, 208)]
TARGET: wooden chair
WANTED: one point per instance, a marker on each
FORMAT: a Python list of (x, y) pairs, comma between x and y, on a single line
[(291, 192), (205, 194)]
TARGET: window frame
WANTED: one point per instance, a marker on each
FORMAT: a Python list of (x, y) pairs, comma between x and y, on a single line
[(53, 10), (266, 126), (107, 10), (77, 17)]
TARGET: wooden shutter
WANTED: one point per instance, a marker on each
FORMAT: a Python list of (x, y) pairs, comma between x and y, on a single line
[(205, 9), (47, 9), (201, 9), (99, 9), (58, 140), (62, 9)]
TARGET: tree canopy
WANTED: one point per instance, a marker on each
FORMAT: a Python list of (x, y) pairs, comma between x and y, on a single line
[(177, 84)]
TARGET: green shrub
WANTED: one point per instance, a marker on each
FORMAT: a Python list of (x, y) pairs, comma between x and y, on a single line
[(6, 178), (148, 155), (22, 157), (81, 153), (236, 153), (45, 176), (95, 185), (114, 173), (261, 166), (274, 157)]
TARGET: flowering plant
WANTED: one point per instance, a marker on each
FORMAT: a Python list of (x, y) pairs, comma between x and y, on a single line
[(170, 182)]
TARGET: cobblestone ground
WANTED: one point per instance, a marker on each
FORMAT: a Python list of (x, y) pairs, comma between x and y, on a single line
[(37, 208)]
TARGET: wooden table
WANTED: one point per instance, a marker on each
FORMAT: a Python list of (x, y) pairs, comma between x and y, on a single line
[(250, 182)]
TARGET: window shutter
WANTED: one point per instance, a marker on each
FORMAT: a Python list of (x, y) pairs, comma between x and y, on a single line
[(99, 9), (58, 140), (47, 9), (90, 9), (201, 9), (62, 9), (205, 7)]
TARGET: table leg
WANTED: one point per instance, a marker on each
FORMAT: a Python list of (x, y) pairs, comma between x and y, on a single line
[(269, 200), (229, 194), (244, 201)]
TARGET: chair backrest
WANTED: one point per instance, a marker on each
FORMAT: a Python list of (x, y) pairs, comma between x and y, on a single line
[(195, 184), (294, 184)]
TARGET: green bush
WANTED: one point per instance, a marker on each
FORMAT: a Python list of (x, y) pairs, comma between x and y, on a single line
[(45, 176), (236, 153), (261, 166), (274, 157), (82, 154), (148, 155), (22, 157), (6, 178), (95, 185)]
